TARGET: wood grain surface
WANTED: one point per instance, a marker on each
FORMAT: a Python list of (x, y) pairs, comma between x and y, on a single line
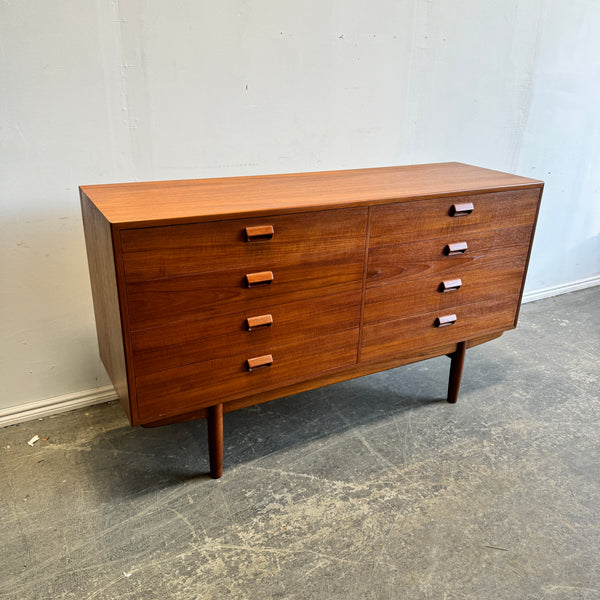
[(160, 202), (182, 343), (414, 297), (209, 295), (385, 339), (105, 294), (327, 378), (427, 258), (415, 221), (158, 252), (196, 386)]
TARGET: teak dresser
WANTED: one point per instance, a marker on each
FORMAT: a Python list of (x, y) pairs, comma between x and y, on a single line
[(215, 294)]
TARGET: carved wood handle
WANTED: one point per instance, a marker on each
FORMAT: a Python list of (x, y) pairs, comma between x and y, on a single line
[(445, 320), (461, 210), (253, 323), (259, 362), (261, 232), (261, 278), (450, 285), (456, 248)]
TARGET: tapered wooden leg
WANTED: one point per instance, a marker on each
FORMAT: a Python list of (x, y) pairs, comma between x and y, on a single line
[(456, 367), (215, 440)]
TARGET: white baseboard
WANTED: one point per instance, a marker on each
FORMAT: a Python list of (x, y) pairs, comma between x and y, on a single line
[(58, 404), (564, 288)]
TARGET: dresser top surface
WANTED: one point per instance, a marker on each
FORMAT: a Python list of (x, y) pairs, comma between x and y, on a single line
[(164, 202)]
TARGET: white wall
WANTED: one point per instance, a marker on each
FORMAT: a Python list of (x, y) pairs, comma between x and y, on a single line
[(99, 91)]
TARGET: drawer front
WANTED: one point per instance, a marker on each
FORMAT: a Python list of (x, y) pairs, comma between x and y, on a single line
[(162, 302), (170, 251), (418, 296), (428, 258), (388, 339), (204, 384), (184, 343), (425, 219)]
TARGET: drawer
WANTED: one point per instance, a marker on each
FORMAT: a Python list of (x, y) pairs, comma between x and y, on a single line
[(418, 296), (183, 343), (428, 258), (425, 219), (169, 251), (204, 384), (161, 302), (395, 338)]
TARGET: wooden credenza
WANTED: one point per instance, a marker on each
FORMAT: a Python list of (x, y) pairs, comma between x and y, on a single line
[(212, 295)]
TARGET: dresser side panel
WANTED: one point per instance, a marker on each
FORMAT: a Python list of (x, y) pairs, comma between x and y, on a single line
[(105, 295), (533, 227)]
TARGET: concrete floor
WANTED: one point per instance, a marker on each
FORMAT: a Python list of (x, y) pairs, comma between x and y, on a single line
[(374, 488)]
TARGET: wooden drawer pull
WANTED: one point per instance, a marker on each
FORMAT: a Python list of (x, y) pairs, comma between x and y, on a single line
[(253, 323), (259, 362), (445, 320), (450, 285), (262, 278), (461, 210), (456, 248), (261, 232)]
